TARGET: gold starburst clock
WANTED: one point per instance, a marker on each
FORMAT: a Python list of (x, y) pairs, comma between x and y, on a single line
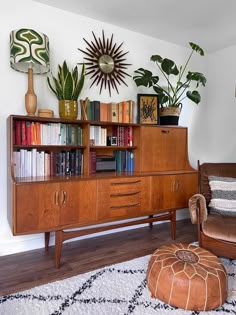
[(105, 63)]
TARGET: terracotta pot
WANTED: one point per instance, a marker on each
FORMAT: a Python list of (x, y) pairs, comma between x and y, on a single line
[(169, 115), (68, 109)]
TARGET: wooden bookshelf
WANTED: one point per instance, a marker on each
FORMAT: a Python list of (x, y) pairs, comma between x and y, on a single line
[(160, 183)]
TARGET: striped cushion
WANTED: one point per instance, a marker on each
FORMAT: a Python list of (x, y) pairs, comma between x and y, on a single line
[(223, 194)]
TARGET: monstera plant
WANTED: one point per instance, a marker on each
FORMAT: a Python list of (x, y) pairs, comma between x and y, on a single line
[(67, 88), (180, 82)]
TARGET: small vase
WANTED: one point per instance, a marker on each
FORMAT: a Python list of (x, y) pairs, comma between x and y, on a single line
[(169, 115), (68, 109)]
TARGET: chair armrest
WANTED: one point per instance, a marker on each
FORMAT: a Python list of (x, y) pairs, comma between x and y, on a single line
[(197, 208)]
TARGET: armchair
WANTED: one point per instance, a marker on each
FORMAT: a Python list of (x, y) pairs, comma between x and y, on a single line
[(216, 231)]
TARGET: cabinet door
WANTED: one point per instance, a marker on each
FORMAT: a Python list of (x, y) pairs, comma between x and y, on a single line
[(173, 191), (163, 149), (78, 202), (36, 207), (44, 207)]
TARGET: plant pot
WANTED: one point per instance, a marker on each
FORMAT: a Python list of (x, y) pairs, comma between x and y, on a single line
[(169, 115), (68, 109)]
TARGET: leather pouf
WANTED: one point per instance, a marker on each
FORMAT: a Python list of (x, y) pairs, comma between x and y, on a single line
[(188, 277)]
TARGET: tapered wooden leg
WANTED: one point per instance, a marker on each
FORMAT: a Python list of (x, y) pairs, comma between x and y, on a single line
[(46, 239), (58, 246), (173, 225), (151, 223)]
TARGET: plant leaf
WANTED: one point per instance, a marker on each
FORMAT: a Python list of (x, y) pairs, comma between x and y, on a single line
[(194, 96), (51, 87), (145, 78), (79, 82), (197, 48), (68, 87), (196, 76), (169, 67), (156, 58), (162, 97)]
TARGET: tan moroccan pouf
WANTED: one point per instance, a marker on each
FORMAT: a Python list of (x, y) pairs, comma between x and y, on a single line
[(188, 277)]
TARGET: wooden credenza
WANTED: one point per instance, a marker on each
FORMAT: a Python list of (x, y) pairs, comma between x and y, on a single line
[(161, 183)]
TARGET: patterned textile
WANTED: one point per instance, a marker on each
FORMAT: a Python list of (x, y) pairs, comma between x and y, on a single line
[(223, 199), (29, 48), (119, 289)]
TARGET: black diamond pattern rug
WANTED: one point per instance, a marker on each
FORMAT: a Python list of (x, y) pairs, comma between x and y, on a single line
[(119, 289)]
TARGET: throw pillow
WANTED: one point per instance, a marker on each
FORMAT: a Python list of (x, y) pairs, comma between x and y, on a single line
[(223, 195)]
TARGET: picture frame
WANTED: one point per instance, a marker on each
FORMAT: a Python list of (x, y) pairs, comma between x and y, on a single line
[(148, 109)]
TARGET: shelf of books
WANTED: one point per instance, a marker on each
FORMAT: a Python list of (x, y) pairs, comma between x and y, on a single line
[(48, 147)]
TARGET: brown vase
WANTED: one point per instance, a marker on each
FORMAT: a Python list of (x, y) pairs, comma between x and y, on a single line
[(169, 115), (68, 109)]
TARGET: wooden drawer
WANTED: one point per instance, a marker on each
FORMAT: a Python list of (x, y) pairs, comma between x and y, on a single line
[(122, 197)]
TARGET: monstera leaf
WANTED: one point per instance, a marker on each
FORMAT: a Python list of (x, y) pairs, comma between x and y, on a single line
[(194, 96), (178, 84), (145, 78)]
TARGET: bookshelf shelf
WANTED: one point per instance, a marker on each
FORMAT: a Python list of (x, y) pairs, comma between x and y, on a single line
[(147, 185), (113, 147)]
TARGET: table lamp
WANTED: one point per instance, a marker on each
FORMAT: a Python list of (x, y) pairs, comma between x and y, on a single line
[(29, 52)]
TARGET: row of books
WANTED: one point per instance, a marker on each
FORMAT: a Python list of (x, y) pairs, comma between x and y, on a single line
[(124, 161), (38, 133), (98, 136), (32, 163), (123, 135), (123, 112)]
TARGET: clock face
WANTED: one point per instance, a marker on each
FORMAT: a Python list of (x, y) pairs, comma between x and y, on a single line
[(105, 63)]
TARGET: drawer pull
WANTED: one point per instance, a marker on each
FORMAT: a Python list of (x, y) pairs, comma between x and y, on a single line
[(126, 183), (165, 131), (125, 194), (126, 206)]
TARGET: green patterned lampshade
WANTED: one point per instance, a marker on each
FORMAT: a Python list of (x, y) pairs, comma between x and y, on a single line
[(29, 52), (29, 49)]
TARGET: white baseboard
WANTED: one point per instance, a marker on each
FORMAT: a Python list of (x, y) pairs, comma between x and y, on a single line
[(36, 241)]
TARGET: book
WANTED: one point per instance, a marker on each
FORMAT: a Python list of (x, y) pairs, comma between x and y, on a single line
[(92, 111), (125, 111), (97, 110), (131, 111), (109, 112), (103, 111), (92, 162), (28, 133), (63, 134), (33, 162), (74, 135), (115, 112), (17, 133), (68, 134), (46, 164), (38, 133), (120, 112), (23, 133)]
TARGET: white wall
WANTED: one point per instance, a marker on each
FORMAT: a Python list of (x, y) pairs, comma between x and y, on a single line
[(66, 32)]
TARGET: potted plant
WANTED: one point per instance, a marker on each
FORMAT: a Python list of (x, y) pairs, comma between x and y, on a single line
[(178, 84), (67, 88)]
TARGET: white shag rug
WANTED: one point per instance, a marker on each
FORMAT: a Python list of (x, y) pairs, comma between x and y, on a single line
[(119, 289)]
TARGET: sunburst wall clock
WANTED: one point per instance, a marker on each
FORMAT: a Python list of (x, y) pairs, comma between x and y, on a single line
[(105, 63)]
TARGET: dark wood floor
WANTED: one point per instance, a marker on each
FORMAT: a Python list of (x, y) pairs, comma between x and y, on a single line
[(26, 270)]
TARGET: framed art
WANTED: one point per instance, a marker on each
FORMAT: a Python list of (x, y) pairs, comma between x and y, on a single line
[(148, 109)]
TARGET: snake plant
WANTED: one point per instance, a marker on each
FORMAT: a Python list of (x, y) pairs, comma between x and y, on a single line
[(68, 84), (176, 90)]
